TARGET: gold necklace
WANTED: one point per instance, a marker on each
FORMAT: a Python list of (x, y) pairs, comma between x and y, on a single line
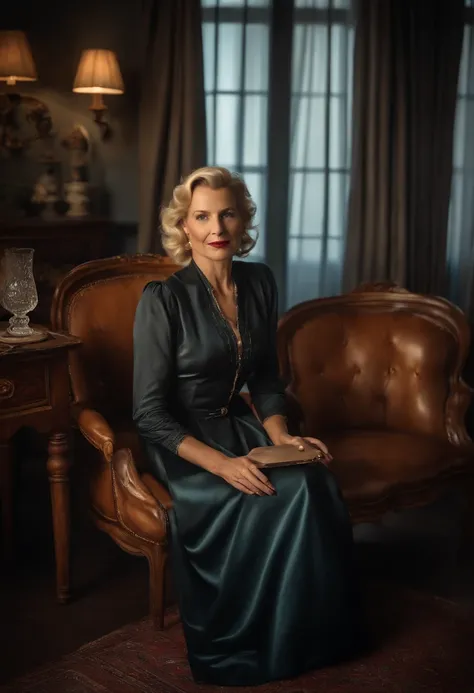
[(238, 339), (231, 322)]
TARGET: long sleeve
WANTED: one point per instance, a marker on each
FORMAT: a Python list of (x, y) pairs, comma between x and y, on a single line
[(153, 367), (265, 385)]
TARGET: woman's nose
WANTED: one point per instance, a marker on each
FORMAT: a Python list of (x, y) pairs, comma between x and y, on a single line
[(218, 225)]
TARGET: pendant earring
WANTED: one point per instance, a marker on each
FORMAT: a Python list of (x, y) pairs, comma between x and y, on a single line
[(189, 245)]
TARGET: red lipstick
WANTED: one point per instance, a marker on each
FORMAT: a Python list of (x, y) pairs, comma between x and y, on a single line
[(220, 244)]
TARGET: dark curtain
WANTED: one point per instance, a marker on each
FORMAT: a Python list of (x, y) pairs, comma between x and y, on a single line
[(172, 120), (406, 64)]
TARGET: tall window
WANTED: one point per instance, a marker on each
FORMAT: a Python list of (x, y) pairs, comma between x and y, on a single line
[(278, 78), (236, 79), (320, 148), (461, 226)]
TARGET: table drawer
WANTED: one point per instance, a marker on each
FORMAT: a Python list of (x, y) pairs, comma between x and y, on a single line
[(24, 385)]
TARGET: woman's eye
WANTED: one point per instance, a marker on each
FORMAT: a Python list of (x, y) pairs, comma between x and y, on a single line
[(201, 217), (229, 213)]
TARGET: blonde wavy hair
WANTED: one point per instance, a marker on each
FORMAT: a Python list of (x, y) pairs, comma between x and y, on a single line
[(173, 237)]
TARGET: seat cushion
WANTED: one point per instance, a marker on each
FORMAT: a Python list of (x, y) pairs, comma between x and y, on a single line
[(372, 465)]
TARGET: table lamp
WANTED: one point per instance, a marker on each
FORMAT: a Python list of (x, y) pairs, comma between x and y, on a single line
[(16, 61)]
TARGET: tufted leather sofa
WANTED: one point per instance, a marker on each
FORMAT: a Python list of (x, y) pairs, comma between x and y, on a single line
[(376, 374)]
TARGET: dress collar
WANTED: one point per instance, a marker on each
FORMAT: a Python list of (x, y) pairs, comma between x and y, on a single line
[(196, 273)]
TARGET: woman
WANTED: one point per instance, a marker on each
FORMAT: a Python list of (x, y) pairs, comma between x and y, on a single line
[(263, 562)]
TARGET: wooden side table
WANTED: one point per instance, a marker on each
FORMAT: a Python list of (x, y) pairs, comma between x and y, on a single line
[(34, 392)]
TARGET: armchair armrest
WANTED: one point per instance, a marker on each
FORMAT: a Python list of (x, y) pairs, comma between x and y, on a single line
[(97, 431), (117, 490), (138, 511)]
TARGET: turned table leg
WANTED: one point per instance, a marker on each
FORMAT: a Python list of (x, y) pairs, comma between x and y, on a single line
[(58, 470), (6, 500)]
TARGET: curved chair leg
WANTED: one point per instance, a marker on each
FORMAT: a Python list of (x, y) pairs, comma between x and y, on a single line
[(157, 556), (157, 560)]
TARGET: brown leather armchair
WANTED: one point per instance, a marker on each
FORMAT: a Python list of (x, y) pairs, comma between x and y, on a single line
[(377, 374), (96, 302)]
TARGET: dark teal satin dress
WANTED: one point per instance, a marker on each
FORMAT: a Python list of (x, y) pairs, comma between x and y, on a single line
[(266, 584)]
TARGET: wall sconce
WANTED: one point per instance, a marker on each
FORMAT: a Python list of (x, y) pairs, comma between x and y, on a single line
[(99, 73)]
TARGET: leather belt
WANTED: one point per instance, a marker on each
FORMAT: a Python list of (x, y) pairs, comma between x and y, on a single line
[(236, 404)]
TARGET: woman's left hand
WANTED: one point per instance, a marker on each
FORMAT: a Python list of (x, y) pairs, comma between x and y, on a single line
[(302, 443)]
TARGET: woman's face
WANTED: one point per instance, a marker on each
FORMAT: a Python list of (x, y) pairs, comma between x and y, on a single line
[(213, 223)]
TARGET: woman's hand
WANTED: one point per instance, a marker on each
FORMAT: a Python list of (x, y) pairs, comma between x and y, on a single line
[(243, 475), (303, 443)]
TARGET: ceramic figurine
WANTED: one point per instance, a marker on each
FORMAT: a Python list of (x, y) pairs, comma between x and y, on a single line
[(76, 197)]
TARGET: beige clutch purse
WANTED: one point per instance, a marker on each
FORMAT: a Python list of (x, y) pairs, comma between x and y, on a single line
[(284, 456)]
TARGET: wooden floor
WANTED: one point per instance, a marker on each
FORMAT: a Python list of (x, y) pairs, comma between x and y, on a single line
[(417, 548)]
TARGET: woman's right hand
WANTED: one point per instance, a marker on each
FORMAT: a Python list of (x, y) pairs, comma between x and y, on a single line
[(243, 475)]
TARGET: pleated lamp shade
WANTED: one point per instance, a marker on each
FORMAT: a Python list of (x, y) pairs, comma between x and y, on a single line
[(16, 61), (98, 73)]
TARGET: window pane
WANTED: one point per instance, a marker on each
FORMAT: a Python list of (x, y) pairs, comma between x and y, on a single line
[(256, 57), (308, 132), (464, 68), (337, 132), (306, 204), (293, 250), (210, 100), (335, 252), (296, 205), (337, 195), (341, 54), (303, 270), (460, 130), (310, 250), (229, 56), (208, 43), (455, 218), (310, 51), (255, 131), (227, 123), (350, 74)]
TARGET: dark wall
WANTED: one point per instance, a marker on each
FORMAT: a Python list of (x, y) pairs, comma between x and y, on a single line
[(58, 32)]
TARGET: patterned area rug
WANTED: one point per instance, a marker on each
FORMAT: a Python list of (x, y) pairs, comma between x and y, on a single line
[(422, 644)]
